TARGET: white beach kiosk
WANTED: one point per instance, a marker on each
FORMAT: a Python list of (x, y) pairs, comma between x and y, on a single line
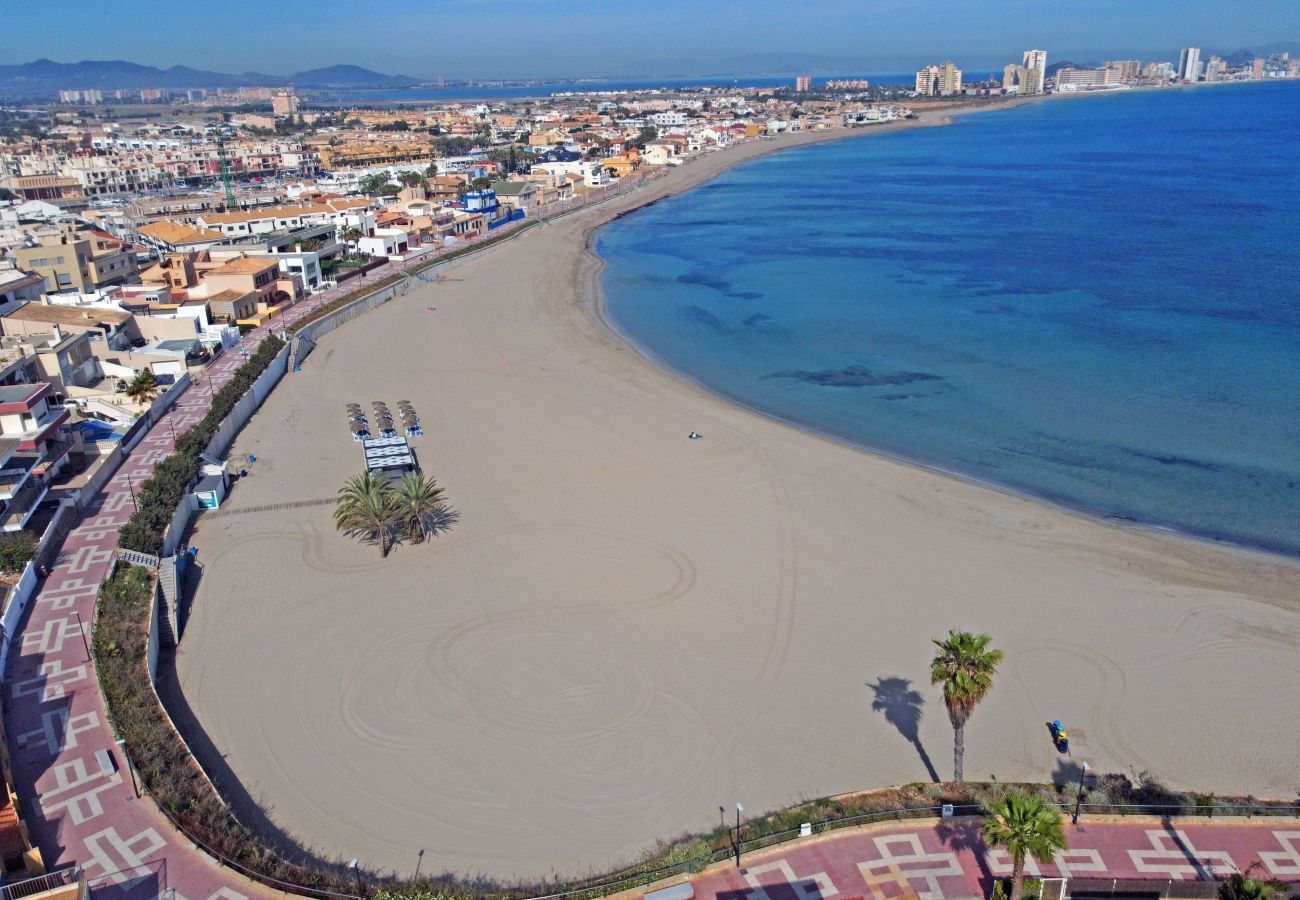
[(389, 457)]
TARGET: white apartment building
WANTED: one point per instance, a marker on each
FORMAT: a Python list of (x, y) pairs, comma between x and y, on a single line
[(590, 171), (343, 214), (668, 119)]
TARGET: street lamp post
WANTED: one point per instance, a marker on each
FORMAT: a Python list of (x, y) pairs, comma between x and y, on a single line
[(739, 809), (126, 761), (131, 487), (356, 871), (81, 627), (1078, 799), (419, 858)]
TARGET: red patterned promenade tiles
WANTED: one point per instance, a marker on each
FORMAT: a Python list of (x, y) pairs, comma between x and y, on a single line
[(949, 860), (55, 715), (77, 812)]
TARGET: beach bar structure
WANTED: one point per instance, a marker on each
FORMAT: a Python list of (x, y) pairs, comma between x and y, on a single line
[(390, 457)]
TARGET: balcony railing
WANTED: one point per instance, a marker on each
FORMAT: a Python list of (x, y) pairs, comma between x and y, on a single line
[(50, 881), (18, 510)]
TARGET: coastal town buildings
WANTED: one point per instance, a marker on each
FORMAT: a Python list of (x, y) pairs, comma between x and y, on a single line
[(943, 80), (73, 259), (1070, 79), (284, 102)]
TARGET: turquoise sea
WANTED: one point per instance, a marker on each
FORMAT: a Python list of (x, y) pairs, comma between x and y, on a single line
[(1090, 300)]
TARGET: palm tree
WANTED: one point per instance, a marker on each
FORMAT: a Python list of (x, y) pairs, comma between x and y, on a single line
[(367, 509), (964, 666), (143, 387), (419, 504), (1026, 825)]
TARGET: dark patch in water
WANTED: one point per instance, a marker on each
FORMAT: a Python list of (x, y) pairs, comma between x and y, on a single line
[(720, 285), (1002, 309), (855, 377), (700, 316), (903, 396), (1180, 461), (758, 320), (902, 280)]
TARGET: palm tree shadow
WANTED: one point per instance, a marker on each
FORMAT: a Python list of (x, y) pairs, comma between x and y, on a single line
[(443, 520), (438, 522), (901, 706), (963, 836)]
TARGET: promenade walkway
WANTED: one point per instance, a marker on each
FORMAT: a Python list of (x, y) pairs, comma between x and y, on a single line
[(949, 860), (55, 716)]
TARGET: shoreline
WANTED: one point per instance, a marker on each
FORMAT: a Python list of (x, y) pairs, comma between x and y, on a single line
[(626, 629), (595, 300)]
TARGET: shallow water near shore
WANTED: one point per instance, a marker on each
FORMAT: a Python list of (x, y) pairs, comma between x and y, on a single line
[(1090, 301)]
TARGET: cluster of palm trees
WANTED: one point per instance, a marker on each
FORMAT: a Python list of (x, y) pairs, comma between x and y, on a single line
[(373, 509)]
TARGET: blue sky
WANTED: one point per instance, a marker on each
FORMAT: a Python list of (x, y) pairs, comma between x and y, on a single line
[(520, 38)]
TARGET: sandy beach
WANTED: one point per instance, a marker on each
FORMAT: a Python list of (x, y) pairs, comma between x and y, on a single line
[(628, 629)]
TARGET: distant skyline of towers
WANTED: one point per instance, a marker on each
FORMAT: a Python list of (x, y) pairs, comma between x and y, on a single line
[(942, 80)]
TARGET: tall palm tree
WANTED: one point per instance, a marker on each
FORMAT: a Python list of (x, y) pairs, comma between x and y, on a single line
[(1026, 825), (964, 666), (143, 387), (419, 504), (367, 509)]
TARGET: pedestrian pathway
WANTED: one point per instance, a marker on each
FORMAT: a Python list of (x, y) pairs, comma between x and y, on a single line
[(55, 717), (77, 812), (949, 860)]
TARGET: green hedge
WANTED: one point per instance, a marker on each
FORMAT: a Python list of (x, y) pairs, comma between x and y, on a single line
[(157, 499)]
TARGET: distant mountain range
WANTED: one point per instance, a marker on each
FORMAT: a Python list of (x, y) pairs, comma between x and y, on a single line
[(44, 77)]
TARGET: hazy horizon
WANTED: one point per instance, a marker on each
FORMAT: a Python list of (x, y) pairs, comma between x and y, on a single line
[(515, 39)]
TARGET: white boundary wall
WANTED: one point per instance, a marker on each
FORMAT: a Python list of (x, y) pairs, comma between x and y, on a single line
[(221, 441), (14, 609)]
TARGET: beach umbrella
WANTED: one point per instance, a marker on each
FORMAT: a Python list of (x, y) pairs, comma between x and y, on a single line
[(403, 402), (358, 427), (410, 420)]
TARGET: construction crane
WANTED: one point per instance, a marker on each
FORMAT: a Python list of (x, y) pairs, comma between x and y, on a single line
[(225, 170)]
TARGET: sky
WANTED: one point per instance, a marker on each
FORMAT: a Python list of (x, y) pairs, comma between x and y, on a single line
[(548, 38)]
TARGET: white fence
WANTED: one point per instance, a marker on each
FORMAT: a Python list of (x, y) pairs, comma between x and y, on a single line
[(151, 652), (221, 441), (14, 609), (107, 466), (248, 404)]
